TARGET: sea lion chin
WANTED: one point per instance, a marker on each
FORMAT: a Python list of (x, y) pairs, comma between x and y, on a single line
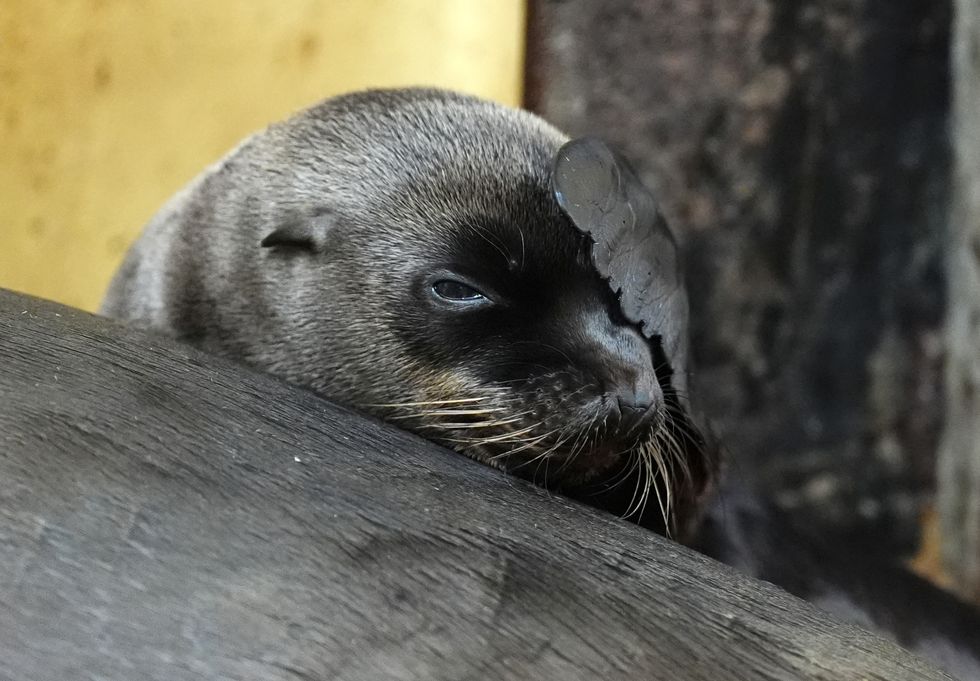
[(403, 251)]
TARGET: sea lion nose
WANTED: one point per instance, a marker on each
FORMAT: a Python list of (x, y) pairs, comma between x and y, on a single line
[(636, 407), (632, 396), (634, 400)]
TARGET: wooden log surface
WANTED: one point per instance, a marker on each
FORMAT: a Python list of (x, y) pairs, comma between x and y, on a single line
[(167, 515)]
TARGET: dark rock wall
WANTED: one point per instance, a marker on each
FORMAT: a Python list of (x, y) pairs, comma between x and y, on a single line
[(959, 461), (799, 150)]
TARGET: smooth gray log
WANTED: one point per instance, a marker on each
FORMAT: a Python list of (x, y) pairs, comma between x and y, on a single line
[(167, 515)]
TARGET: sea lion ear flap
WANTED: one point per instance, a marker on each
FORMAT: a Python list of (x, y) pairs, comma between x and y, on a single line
[(632, 247), (633, 250), (308, 233)]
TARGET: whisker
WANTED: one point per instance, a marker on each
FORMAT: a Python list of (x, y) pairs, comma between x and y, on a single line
[(506, 436), (579, 444), (625, 473), (634, 501), (459, 400), (469, 426), (677, 450), (443, 412), (528, 444), (665, 502)]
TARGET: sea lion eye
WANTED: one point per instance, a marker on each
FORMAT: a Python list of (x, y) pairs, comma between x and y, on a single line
[(456, 291)]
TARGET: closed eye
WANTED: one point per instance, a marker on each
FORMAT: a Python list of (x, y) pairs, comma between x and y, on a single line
[(457, 291)]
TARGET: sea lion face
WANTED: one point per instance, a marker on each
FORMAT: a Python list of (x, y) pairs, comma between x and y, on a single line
[(538, 373), (469, 310), (417, 265)]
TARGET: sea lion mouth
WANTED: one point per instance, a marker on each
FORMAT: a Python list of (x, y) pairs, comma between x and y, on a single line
[(648, 465)]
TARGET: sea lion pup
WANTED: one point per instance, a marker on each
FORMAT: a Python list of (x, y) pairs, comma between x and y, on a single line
[(404, 252)]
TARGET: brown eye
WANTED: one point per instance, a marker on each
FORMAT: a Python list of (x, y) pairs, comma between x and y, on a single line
[(457, 292)]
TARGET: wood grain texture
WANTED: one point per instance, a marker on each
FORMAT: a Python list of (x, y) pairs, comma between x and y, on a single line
[(167, 515)]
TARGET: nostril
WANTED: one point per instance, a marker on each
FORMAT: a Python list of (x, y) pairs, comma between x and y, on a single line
[(628, 407), (629, 401), (642, 400), (636, 408)]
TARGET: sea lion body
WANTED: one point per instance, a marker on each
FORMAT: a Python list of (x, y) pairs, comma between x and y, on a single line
[(316, 251), (313, 252), (167, 515)]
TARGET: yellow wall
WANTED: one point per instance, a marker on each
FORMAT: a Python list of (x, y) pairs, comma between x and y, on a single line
[(108, 106)]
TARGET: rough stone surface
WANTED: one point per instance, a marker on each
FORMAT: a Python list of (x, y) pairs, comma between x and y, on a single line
[(959, 461), (799, 151)]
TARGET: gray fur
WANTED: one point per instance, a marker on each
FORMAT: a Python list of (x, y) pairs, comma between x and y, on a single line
[(308, 252), (167, 516), (374, 184), (347, 172)]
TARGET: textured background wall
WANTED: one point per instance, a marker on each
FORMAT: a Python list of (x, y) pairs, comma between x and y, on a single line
[(799, 148), (108, 106)]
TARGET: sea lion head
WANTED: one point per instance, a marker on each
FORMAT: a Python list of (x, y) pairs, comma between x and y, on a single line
[(413, 260)]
